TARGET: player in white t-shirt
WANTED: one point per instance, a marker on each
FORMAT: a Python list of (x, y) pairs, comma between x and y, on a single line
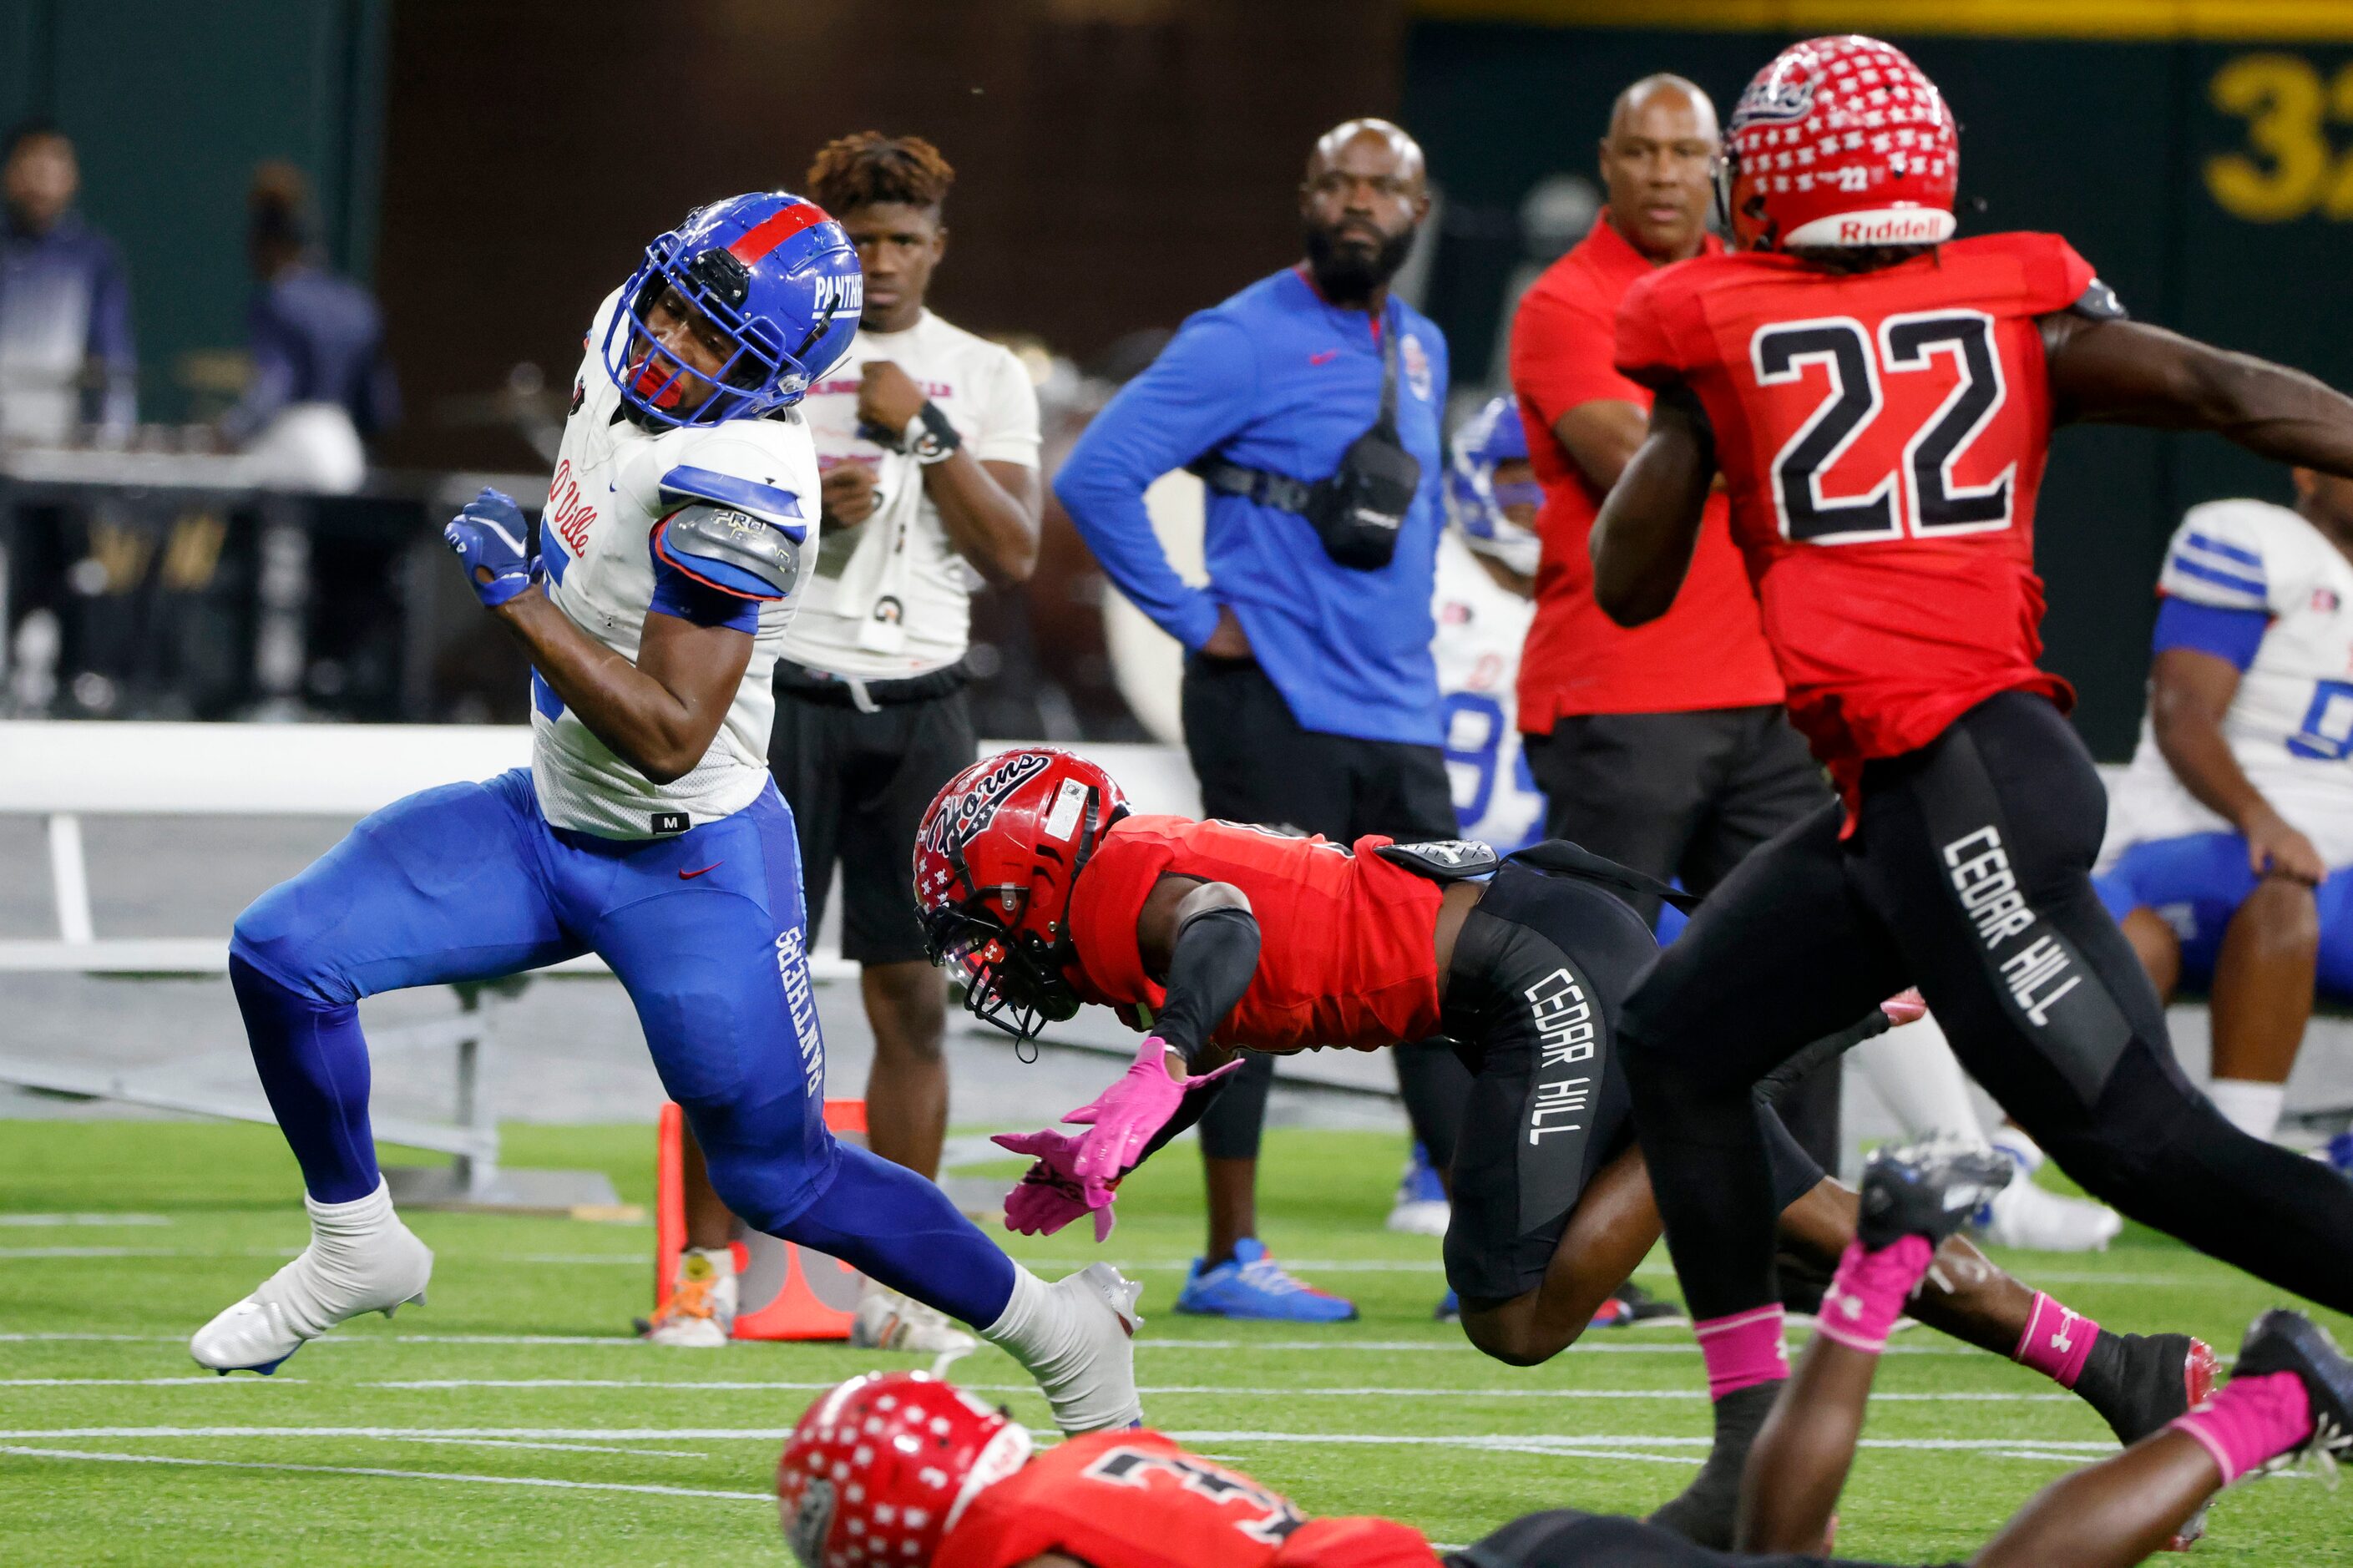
[(2230, 836), (927, 436), (675, 542)]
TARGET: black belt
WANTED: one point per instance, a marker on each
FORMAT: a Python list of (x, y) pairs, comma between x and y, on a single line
[(1280, 491), (850, 691)]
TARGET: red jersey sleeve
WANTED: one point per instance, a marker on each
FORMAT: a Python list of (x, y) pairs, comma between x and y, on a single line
[(1648, 345), (1562, 355), (2051, 275), (1105, 903)]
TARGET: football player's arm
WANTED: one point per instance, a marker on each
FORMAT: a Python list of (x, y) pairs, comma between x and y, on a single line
[(1201, 940), (2189, 690), (1642, 540), (2111, 370), (660, 714)]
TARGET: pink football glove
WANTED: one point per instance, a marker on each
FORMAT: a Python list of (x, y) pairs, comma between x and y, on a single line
[(1048, 1196), (1122, 1118), (1907, 1006)]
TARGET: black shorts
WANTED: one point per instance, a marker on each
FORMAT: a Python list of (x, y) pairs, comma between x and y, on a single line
[(1568, 1538), (1257, 764), (1540, 971), (859, 785), (1683, 795)]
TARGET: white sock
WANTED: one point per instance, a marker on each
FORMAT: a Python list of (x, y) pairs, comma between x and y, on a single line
[(1913, 1072), (2253, 1108), (1030, 1329), (2023, 1151), (334, 1223)]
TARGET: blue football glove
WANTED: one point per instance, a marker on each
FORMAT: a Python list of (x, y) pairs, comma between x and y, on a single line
[(492, 537)]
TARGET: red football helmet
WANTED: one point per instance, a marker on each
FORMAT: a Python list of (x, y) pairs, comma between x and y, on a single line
[(882, 1468), (1839, 143), (994, 860)]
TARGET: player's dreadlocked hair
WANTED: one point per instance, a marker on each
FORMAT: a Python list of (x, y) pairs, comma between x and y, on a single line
[(853, 171)]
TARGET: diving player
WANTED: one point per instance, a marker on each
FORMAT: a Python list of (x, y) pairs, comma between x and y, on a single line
[(1034, 881), (677, 536), (2232, 832), (909, 1470), (1879, 398)]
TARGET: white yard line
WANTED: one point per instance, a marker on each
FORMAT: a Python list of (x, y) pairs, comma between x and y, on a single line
[(629, 1342), (207, 1379), (642, 1488), (1223, 1391), (1514, 1442), (89, 1220), (566, 1260)]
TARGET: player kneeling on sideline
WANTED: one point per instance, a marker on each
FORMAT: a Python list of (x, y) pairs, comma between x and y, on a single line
[(1040, 886), (905, 1469), (2235, 824), (678, 532)]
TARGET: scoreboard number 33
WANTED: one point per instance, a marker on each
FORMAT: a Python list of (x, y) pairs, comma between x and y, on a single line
[(2289, 169)]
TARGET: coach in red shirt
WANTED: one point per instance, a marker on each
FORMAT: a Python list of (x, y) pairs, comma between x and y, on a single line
[(1663, 747)]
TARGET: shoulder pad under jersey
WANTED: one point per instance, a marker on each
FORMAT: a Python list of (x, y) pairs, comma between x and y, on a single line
[(777, 508), (730, 550), (1443, 859)]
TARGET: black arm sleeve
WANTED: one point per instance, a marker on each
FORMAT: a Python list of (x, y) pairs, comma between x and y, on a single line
[(1210, 968)]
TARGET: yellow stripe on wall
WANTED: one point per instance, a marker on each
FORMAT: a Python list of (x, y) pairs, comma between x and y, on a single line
[(2315, 21)]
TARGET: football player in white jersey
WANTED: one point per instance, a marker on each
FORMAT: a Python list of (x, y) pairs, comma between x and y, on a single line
[(928, 440), (676, 540), (1486, 576), (2230, 835)]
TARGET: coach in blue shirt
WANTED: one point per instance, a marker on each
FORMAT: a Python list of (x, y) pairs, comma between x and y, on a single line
[(1311, 701)]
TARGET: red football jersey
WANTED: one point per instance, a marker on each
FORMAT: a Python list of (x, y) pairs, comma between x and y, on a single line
[(1882, 435), (1134, 1500), (1347, 950)]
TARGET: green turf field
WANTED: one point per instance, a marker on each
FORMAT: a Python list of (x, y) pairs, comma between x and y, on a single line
[(513, 1421)]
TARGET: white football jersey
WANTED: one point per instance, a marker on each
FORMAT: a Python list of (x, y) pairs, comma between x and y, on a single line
[(595, 539), (987, 394), (2291, 723), (1480, 626)]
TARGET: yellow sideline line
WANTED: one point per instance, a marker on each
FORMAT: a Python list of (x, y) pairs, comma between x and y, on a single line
[(2312, 21)]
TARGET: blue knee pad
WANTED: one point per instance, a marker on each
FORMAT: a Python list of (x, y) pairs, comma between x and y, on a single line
[(2194, 884)]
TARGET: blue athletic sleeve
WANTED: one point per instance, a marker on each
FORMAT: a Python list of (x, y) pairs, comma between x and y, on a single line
[(2231, 633), (1197, 394), (676, 593)]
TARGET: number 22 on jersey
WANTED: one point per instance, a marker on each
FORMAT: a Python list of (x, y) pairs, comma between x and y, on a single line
[(1888, 442)]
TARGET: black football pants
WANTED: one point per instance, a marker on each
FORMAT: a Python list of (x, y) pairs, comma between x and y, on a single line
[(1969, 875)]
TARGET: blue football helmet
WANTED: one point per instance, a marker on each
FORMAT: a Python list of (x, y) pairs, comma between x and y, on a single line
[(1475, 502), (777, 278)]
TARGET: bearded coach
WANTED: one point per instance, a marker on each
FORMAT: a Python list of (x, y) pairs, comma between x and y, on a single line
[(1309, 404)]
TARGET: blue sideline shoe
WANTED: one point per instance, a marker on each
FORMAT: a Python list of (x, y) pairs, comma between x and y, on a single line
[(1450, 1309), (1420, 1208), (1253, 1286)]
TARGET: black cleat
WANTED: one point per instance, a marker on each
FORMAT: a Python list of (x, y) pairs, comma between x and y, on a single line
[(2285, 1340), (2139, 1381), (1926, 1189)]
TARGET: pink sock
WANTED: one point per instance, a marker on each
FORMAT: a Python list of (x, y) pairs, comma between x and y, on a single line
[(1867, 1294), (1743, 1350), (2250, 1420), (2057, 1341)]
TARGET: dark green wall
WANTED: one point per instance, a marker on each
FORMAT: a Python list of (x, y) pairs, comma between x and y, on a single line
[(2109, 143), (170, 105)]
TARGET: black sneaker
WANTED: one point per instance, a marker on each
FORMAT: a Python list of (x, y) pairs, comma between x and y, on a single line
[(2140, 1382), (1926, 1189), (2285, 1340)]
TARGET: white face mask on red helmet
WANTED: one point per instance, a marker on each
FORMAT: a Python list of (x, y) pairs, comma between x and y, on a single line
[(1840, 143)]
